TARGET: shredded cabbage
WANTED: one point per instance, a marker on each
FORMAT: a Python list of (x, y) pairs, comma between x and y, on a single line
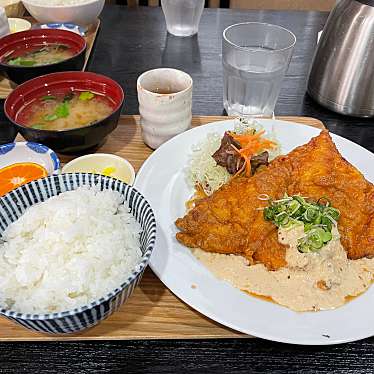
[(203, 170)]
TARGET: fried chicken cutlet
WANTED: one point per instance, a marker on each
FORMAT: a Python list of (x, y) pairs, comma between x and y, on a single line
[(230, 220)]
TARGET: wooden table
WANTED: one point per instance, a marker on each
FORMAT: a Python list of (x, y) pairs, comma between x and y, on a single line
[(130, 42)]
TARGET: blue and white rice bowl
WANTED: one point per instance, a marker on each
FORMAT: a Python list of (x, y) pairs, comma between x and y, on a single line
[(12, 153), (14, 204)]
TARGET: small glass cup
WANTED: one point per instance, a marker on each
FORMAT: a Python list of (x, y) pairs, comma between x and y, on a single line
[(182, 16), (255, 58)]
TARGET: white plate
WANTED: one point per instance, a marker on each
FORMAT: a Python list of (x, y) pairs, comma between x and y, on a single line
[(162, 181)]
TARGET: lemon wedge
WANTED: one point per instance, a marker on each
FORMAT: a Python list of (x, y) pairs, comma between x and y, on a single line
[(108, 171)]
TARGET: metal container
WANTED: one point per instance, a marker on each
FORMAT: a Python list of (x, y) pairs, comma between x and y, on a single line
[(342, 73)]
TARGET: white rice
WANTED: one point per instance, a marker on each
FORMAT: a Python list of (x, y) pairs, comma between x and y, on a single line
[(59, 2), (68, 251)]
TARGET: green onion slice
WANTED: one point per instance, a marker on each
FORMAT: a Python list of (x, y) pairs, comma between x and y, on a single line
[(86, 95), (50, 117), (318, 219), (48, 97), (38, 126)]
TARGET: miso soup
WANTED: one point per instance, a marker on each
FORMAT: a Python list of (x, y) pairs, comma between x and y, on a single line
[(63, 111), (45, 54)]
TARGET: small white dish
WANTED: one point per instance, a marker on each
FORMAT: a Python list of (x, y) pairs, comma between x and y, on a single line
[(18, 24), (19, 152), (83, 13), (102, 163)]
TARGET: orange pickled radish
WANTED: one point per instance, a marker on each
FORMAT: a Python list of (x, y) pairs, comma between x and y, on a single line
[(16, 175)]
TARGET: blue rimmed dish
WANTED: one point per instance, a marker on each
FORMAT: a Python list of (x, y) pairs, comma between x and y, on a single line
[(73, 27), (14, 204), (19, 152)]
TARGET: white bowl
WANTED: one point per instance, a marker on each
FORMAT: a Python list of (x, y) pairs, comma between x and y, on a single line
[(81, 14), (96, 163), (18, 24)]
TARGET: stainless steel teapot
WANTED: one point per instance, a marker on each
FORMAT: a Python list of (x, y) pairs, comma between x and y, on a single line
[(342, 73)]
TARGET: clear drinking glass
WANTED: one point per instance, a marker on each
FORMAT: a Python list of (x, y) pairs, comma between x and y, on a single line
[(182, 16), (255, 58)]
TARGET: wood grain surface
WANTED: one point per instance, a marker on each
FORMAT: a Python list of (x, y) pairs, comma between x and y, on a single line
[(126, 140), (6, 86), (152, 312)]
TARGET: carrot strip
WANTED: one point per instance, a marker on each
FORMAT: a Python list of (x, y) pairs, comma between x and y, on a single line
[(251, 144)]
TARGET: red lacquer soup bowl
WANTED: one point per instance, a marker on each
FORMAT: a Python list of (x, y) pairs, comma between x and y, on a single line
[(23, 44), (74, 140)]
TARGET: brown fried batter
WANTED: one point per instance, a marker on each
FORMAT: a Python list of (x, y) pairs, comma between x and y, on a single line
[(230, 221)]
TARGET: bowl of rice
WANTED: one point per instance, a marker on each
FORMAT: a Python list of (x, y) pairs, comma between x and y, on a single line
[(81, 12), (73, 248)]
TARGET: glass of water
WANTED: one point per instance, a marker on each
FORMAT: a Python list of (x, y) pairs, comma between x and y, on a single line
[(182, 16), (255, 58)]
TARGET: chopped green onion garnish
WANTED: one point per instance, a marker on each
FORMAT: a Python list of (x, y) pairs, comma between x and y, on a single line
[(48, 97), (86, 95), (293, 207), (21, 62), (50, 117), (327, 223), (38, 126), (268, 214), (282, 219), (62, 110), (326, 236), (318, 219), (315, 238), (311, 214), (332, 212)]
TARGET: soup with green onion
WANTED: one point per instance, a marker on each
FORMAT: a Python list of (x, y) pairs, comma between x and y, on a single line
[(45, 54), (67, 110)]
